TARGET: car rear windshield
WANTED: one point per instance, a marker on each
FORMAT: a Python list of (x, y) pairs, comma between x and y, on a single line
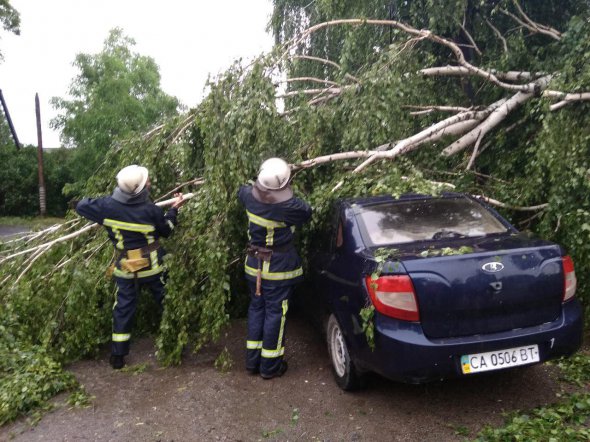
[(429, 219)]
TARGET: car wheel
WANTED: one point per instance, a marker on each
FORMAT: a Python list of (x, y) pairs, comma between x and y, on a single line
[(345, 373)]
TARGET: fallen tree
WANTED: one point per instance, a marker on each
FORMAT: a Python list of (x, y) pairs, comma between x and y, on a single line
[(399, 122)]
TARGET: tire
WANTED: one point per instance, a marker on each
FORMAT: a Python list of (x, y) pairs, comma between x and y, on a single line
[(343, 368)]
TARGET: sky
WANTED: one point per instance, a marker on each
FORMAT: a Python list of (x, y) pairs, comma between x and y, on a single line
[(189, 40)]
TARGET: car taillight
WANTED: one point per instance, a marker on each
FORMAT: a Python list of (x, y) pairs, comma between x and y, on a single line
[(570, 282), (394, 296)]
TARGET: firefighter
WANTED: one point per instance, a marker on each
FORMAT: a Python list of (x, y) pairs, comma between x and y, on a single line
[(134, 224), (273, 266)]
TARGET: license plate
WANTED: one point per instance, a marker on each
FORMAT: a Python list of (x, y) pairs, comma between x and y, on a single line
[(496, 360)]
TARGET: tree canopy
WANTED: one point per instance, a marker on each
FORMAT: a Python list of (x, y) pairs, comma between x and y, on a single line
[(116, 93), (10, 19)]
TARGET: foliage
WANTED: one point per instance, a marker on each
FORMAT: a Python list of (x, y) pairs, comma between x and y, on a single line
[(559, 163), (239, 124), (565, 421), (9, 18), (224, 362), (5, 134), (80, 398), (28, 378), (294, 417), (367, 315), (116, 92), (272, 433), (135, 369), (576, 368), (19, 182), (383, 257), (446, 251)]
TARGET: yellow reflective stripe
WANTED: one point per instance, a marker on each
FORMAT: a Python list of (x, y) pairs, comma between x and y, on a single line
[(274, 276), (293, 228), (283, 319), (128, 226), (270, 236), (154, 259), (258, 220), (119, 238), (154, 254), (121, 337), (272, 353), (253, 345), (280, 350), (142, 274), (170, 224)]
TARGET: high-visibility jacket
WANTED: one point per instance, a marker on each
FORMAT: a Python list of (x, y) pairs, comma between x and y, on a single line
[(132, 222), (273, 226)]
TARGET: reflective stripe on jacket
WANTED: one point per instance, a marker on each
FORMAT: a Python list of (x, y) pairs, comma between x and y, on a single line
[(273, 225)]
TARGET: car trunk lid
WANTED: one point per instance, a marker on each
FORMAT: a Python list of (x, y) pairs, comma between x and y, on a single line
[(505, 283)]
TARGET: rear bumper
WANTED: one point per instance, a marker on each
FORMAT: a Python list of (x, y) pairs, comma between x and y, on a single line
[(402, 351)]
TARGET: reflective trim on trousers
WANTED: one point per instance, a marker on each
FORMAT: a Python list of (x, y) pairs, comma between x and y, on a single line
[(253, 345), (285, 306), (280, 350), (272, 353), (121, 337)]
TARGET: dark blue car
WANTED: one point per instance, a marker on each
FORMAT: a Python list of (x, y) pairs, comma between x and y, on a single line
[(456, 291)]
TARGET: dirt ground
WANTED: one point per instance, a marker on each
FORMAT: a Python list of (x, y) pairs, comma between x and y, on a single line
[(195, 402)]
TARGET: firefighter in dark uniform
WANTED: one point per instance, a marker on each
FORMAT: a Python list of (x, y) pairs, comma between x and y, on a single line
[(273, 266), (134, 224)]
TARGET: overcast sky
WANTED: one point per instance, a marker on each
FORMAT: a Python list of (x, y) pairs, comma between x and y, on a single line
[(187, 39)]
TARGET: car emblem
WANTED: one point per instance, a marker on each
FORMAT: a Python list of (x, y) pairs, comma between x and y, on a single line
[(492, 267)]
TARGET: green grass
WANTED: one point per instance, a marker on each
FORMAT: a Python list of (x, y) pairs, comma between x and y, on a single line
[(34, 223)]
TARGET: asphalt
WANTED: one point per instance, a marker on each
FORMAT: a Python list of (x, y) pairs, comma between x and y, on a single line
[(196, 402), (7, 231)]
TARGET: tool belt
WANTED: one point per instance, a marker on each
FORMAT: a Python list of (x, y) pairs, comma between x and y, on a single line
[(264, 254), (134, 260)]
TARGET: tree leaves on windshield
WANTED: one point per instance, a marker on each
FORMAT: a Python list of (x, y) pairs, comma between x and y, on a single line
[(383, 256), (446, 251)]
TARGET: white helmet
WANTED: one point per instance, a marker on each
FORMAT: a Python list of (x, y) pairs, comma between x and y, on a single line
[(274, 174), (132, 179)]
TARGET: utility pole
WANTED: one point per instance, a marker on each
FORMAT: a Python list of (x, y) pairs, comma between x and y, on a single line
[(9, 120), (42, 201)]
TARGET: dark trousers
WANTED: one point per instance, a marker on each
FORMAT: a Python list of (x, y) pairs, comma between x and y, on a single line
[(125, 305), (267, 316)]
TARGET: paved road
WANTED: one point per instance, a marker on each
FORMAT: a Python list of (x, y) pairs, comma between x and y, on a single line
[(12, 230), (195, 402)]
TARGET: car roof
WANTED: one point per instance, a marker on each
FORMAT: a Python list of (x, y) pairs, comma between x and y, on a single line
[(372, 200)]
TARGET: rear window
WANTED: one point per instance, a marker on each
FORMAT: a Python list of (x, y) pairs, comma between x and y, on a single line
[(419, 220)]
